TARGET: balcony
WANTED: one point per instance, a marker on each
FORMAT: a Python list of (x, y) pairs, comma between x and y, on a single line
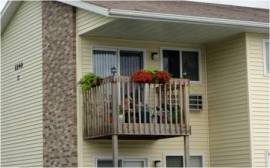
[(118, 106)]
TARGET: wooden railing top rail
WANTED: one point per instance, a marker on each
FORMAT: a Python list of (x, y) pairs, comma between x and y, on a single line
[(128, 79)]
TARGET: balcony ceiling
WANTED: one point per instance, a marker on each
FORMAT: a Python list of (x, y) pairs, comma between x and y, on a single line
[(164, 31)]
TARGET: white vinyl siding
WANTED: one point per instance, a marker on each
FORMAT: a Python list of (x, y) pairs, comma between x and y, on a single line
[(259, 93), (228, 103), (21, 108)]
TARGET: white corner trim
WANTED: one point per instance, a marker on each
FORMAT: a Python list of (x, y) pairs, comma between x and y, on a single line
[(87, 6), (184, 18)]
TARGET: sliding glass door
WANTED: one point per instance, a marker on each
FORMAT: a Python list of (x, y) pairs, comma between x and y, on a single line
[(130, 62)]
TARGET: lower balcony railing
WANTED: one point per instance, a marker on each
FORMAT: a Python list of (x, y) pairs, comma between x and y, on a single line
[(136, 111)]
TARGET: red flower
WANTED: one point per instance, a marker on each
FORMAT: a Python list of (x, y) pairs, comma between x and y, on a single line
[(142, 77), (162, 76)]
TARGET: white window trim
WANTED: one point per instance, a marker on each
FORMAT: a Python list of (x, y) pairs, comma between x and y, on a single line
[(267, 153), (264, 58), (124, 158), (118, 49), (182, 154), (180, 53)]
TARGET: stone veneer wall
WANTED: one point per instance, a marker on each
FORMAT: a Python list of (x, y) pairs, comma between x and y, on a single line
[(59, 85)]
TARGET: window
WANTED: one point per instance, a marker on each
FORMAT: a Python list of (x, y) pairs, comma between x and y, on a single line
[(182, 64), (195, 102), (171, 62), (122, 163), (103, 61), (126, 61), (178, 161), (190, 63), (266, 57), (196, 161), (107, 163), (174, 161)]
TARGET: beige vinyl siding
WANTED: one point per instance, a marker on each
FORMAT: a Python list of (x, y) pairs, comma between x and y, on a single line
[(228, 103), (150, 149), (21, 108), (259, 93), (87, 21)]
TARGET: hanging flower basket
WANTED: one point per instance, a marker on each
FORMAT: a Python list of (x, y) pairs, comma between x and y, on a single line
[(142, 76)]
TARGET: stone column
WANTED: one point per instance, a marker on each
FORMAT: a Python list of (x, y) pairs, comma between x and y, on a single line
[(59, 85)]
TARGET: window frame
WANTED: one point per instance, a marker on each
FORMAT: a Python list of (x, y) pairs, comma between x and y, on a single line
[(182, 154), (122, 158), (267, 156), (180, 50), (264, 57), (118, 49)]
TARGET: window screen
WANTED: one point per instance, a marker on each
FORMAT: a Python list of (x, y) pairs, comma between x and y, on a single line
[(196, 161), (103, 61), (133, 163), (177, 161), (107, 163), (190, 63), (267, 58), (174, 161)]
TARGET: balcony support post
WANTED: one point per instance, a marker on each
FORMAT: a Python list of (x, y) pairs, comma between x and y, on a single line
[(186, 150), (115, 150), (115, 121)]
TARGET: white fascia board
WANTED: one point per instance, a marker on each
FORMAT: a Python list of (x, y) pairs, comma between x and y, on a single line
[(185, 18), (87, 6)]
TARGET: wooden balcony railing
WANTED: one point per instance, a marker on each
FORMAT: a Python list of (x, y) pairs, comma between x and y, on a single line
[(139, 111)]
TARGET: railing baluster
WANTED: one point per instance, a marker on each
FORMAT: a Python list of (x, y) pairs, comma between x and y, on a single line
[(139, 106), (186, 106), (165, 106), (123, 105), (144, 107), (91, 110), (176, 107), (134, 106), (128, 97), (150, 112), (160, 108), (155, 106), (170, 94)]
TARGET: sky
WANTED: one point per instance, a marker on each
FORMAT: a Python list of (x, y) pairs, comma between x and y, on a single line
[(247, 3)]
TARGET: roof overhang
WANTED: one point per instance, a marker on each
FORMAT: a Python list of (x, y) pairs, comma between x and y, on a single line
[(132, 14), (7, 12), (11, 7)]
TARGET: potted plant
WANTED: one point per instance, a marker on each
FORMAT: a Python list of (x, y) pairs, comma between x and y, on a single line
[(142, 76), (89, 80)]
